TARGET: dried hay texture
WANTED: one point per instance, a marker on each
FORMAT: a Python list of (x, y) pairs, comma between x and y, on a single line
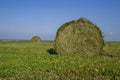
[(79, 37), (36, 39)]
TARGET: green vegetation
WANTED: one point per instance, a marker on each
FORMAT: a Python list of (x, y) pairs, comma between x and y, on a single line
[(0, 40), (28, 61), (36, 39), (79, 37)]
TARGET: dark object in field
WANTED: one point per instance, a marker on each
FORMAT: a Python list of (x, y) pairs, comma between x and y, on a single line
[(51, 51), (79, 37), (36, 39)]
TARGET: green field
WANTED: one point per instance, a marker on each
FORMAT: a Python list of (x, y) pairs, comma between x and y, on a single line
[(30, 61)]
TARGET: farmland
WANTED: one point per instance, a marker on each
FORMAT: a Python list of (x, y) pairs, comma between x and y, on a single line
[(35, 61)]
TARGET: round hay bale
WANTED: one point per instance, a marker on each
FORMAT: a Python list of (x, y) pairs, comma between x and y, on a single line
[(79, 37), (36, 39)]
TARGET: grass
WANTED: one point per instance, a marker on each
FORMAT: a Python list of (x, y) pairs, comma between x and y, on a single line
[(30, 61)]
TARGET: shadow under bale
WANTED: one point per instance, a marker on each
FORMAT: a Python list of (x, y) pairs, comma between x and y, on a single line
[(51, 51)]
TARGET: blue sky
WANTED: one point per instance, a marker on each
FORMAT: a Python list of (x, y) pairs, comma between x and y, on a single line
[(22, 19)]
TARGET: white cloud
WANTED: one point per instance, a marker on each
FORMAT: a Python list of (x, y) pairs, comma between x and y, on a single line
[(110, 33)]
